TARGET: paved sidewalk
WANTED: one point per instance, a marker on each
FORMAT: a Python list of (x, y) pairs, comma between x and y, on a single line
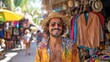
[(18, 55)]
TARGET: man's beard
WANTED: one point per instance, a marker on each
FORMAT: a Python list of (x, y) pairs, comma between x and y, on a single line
[(57, 34)]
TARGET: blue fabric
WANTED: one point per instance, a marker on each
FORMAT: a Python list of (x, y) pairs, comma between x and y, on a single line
[(86, 17), (39, 38), (75, 28), (2, 33), (85, 48)]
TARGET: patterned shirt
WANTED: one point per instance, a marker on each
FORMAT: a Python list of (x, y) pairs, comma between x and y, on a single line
[(69, 54)]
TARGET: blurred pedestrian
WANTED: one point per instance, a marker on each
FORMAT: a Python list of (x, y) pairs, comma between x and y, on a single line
[(27, 40), (21, 38), (38, 37), (56, 48), (44, 36)]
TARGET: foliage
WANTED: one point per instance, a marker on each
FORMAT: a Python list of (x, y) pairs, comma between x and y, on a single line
[(18, 2), (26, 6), (7, 3)]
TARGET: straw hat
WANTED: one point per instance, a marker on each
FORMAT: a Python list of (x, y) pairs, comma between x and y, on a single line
[(77, 4), (64, 6), (97, 6), (27, 31), (70, 3), (53, 15)]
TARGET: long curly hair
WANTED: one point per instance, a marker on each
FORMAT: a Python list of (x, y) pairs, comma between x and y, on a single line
[(46, 27)]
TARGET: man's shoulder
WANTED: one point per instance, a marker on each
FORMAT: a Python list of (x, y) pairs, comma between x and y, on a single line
[(67, 40), (42, 44)]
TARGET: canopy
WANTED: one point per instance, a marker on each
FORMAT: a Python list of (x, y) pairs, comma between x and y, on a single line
[(7, 15)]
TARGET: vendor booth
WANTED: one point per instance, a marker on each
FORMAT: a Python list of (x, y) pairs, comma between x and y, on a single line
[(88, 26)]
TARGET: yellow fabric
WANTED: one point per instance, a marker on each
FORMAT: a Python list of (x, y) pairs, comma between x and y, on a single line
[(45, 57), (69, 55)]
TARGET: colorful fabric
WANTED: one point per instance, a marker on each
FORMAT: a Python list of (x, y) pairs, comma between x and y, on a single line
[(72, 27), (15, 23), (75, 28), (69, 51), (38, 38), (2, 33)]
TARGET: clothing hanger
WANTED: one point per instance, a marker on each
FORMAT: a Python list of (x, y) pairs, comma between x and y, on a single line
[(86, 12), (86, 15)]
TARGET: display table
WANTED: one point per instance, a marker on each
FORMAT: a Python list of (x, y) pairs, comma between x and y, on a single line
[(100, 54), (101, 58)]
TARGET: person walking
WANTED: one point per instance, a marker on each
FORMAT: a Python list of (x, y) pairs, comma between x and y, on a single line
[(56, 48), (38, 37), (27, 40)]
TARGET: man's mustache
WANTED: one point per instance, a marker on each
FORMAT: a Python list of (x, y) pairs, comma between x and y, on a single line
[(56, 29)]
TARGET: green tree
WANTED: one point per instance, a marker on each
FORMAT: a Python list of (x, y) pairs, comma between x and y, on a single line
[(26, 6), (7, 3)]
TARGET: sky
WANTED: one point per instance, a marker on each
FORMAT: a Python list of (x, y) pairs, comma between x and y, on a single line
[(36, 3)]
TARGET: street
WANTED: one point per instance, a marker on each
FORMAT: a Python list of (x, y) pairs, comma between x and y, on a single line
[(18, 55)]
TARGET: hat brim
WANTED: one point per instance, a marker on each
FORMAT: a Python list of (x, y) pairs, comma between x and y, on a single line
[(46, 20), (94, 3), (27, 31)]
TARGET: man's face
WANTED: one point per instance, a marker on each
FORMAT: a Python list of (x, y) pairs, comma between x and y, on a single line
[(55, 27)]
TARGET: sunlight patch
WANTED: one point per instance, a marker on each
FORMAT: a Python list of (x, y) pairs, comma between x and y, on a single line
[(9, 56)]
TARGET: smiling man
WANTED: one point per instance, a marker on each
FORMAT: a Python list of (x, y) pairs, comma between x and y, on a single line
[(55, 27), (56, 48)]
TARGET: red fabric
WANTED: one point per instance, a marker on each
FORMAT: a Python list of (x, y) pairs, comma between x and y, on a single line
[(101, 18), (15, 23), (72, 27)]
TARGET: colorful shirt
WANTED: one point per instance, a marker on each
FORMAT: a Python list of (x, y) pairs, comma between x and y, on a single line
[(39, 38), (69, 54)]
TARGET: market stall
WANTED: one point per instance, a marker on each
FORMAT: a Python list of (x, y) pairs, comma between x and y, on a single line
[(88, 26), (9, 27)]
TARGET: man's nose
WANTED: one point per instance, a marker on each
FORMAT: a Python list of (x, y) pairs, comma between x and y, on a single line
[(56, 25)]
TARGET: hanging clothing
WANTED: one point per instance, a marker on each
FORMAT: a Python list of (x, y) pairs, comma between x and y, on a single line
[(2, 33), (72, 27), (75, 28), (88, 35), (101, 18), (9, 33)]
